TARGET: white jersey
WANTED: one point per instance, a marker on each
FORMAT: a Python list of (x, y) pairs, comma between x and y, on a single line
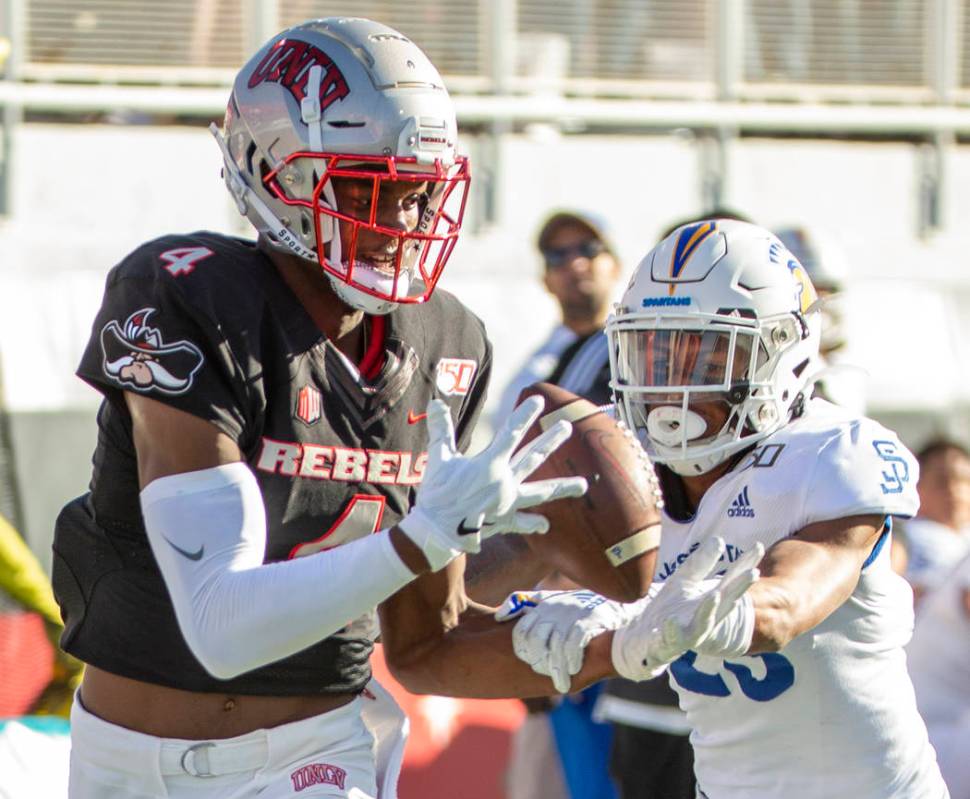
[(939, 654), (933, 550), (833, 713), (538, 366)]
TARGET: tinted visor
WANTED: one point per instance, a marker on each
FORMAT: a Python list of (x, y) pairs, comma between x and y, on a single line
[(677, 359)]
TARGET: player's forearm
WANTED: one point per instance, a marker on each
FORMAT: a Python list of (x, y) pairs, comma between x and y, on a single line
[(207, 532), (787, 606), (804, 580), (437, 641), (505, 564), (475, 659)]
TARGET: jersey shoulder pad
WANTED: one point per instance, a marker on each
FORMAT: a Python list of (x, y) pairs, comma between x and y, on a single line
[(452, 321), (856, 465), (217, 275), (179, 335), (455, 353), (450, 341)]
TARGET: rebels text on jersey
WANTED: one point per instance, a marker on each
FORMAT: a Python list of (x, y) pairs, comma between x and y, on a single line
[(205, 323), (833, 712)]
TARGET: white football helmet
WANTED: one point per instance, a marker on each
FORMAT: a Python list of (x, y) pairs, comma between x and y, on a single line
[(350, 99), (721, 312), (827, 267)]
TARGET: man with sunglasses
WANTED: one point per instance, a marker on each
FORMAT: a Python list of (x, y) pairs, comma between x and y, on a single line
[(580, 269)]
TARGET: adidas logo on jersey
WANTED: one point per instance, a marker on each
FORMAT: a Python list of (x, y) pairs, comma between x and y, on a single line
[(741, 505)]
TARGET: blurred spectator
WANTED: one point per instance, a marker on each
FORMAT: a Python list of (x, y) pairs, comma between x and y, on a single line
[(938, 657), (841, 382), (535, 770), (827, 267), (560, 751), (580, 270), (940, 535)]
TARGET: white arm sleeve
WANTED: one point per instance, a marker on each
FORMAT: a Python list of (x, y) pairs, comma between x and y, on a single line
[(208, 532)]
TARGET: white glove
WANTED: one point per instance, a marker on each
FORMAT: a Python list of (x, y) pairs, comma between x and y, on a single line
[(554, 628), (463, 500), (537, 492), (713, 616)]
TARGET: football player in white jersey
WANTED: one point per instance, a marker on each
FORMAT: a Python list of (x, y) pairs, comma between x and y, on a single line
[(805, 693)]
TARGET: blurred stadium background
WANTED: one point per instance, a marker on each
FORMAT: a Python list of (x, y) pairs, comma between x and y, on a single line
[(848, 117)]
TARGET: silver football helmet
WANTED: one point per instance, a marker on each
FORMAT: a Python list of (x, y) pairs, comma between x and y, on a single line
[(719, 314), (341, 101)]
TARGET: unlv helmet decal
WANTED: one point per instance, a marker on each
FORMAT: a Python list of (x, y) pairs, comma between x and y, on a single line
[(288, 63), (299, 170)]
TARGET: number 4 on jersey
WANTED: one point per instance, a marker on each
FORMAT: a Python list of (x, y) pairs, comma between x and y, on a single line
[(182, 260), (361, 517)]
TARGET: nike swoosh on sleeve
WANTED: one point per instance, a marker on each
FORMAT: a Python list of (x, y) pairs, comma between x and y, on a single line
[(414, 418), (197, 555)]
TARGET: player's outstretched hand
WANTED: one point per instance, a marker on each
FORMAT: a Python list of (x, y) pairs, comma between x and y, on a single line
[(465, 499), (554, 628), (692, 611)]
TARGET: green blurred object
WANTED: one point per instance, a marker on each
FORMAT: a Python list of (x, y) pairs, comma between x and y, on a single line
[(22, 578)]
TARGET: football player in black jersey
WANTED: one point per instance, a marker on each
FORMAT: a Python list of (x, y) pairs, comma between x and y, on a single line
[(280, 452), (280, 448)]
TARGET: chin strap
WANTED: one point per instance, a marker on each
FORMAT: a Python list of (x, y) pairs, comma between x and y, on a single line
[(361, 300)]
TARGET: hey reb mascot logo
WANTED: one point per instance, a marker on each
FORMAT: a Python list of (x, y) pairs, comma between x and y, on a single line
[(136, 356)]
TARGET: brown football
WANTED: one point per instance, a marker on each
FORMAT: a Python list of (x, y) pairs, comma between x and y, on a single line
[(607, 539)]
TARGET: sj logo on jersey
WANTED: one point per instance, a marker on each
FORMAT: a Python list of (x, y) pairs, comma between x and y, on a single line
[(136, 356), (455, 375)]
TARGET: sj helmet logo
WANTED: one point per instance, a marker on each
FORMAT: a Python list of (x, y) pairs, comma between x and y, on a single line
[(805, 293)]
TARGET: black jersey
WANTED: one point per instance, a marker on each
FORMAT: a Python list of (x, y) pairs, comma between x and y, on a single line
[(206, 324)]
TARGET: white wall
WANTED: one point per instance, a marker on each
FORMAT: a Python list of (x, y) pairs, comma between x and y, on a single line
[(84, 195)]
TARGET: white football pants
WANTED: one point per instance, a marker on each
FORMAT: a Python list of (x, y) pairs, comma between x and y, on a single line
[(334, 755)]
